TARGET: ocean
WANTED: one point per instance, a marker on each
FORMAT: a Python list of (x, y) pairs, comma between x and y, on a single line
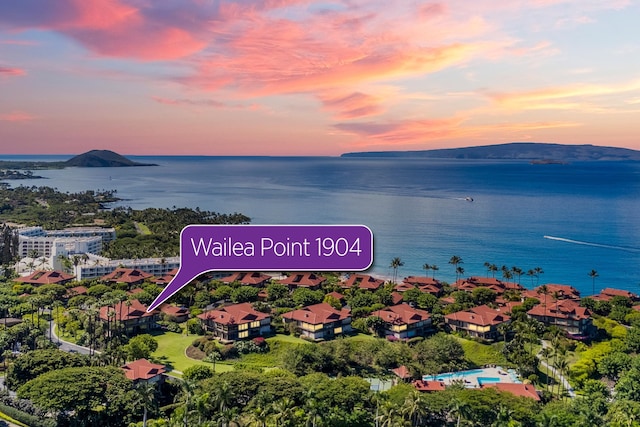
[(566, 219)]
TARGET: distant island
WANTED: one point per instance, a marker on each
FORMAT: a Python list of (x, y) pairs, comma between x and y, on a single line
[(90, 159), (535, 152), (102, 159)]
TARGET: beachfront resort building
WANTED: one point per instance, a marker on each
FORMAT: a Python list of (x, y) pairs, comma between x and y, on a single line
[(403, 321), (478, 322), (362, 281), (143, 371), (130, 276), (45, 277), (97, 266), (132, 315), (319, 321), (234, 322), (567, 314), (303, 280), (247, 278), (74, 240)]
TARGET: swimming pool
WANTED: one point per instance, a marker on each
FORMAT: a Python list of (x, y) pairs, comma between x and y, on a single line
[(453, 375), (488, 380), (476, 377)]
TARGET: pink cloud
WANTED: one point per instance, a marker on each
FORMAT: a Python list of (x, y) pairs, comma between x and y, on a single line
[(11, 72), (109, 27), (351, 106), (16, 116), (203, 103)]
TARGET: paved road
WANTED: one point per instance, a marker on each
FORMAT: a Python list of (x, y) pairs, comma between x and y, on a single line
[(65, 345), (555, 373)]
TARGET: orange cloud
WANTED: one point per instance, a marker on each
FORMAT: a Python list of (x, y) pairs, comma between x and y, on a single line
[(411, 132), (554, 97), (352, 106), (16, 116)]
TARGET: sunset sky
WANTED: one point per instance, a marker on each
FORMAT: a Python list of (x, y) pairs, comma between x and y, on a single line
[(296, 77)]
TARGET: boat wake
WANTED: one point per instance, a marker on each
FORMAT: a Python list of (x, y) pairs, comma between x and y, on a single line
[(597, 245)]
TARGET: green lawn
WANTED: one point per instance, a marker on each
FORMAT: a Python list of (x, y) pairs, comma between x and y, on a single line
[(483, 354), (144, 230), (65, 336), (362, 337), (171, 349)]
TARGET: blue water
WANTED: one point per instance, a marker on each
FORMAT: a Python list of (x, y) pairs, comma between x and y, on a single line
[(488, 380), (415, 207), (454, 375)]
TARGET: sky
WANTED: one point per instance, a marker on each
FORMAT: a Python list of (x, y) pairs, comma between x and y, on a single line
[(297, 77)]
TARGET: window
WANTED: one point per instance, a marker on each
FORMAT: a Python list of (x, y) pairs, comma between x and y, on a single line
[(243, 334)]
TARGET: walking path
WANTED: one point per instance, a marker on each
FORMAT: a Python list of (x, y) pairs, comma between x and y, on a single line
[(555, 373)]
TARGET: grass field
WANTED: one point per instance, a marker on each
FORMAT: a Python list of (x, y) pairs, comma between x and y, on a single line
[(483, 354), (171, 349)]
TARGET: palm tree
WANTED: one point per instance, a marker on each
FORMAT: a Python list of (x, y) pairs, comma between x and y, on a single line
[(460, 409), (545, 353), (503, 416), (455, 260), (561, 366), (493, 268), (531, 274), (388, 416), (517, 271), (185, 396), (395, 264), (593, 274), (426, 268), (556, 298), (459, 272), (538, 271), (414, 408), (434, 268), (145, 396), (544, 290), (487, 265)]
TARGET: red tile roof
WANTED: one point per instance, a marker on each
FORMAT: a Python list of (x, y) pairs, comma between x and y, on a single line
[(336, 295), (401, 314), (422, 385), (422, 280), (396, 298), (363, 281), (43, 277), (566, 309), (492, 283), (78, 290), (135, 291), (247, 278), (481, 316), (172, 310), (619, 292), (402, 372), (318, 314), (522, 390), (164, 280), (235, 314), (142, 369), (124, 312), (305, 280), (565, 291), (403, 287), (126, 275)]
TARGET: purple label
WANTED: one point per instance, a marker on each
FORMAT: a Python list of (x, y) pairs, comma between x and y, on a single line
[(269, 248)]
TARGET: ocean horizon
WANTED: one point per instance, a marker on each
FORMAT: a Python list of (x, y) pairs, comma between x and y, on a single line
[(566, 219)]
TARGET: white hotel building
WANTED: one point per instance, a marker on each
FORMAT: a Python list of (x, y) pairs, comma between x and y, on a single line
[(98, 266)]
